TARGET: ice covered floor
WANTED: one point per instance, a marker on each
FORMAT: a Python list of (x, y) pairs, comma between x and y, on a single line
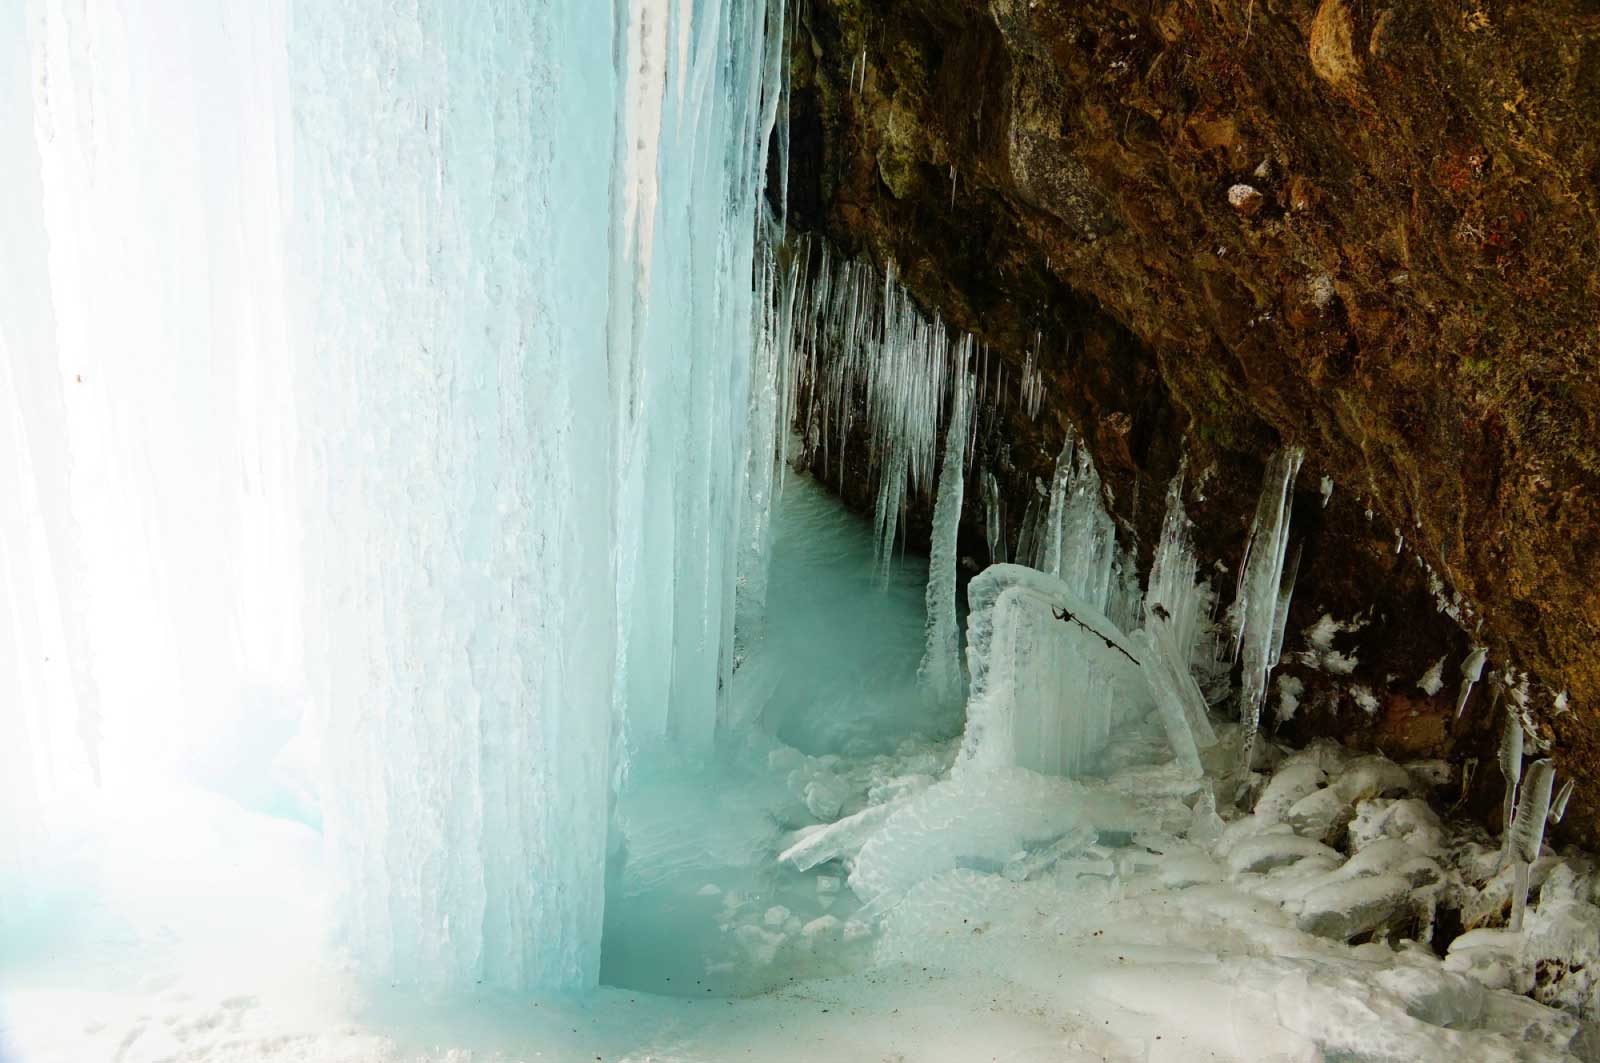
[(1016, 918)]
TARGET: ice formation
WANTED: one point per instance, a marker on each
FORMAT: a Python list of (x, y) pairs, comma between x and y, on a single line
[(1432, 680), (1511, 770), (1558, 805), (1170, 639), (1471, 672), (1080, 540), (1050, 675), (1526, 837), (447, 428), (941, 664), (1261, 604), (993, 519)]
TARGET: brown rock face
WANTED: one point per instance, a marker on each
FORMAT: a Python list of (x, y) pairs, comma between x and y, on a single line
[(1407, 288)]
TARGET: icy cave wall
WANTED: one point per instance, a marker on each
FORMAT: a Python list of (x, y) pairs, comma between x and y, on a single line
[(1366, 229)]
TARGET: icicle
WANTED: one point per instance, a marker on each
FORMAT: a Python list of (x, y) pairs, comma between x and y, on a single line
[(1471, 672), (1558, 807), (941, 662), (1327, 490), (1030, 538), (1056, 515), (1031, 391), (1261, 591), (993, 524), (1280, 613)]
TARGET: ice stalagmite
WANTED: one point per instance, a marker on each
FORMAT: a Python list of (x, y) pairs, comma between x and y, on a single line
[(941, 663), (1261, 594), (1526, 837)]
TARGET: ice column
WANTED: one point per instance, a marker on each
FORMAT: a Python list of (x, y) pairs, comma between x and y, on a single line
[(49, 716), (528, 374), (402, 355)]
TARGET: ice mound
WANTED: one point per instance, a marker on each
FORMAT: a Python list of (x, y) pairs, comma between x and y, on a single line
[(1050, 675)]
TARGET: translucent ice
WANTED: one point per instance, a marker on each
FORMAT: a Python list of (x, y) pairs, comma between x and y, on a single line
[(941, 663), (1263, 596), (1050, 675)]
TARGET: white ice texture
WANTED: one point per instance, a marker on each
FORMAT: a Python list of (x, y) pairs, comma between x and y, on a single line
[(394, 360), (1050, 675)]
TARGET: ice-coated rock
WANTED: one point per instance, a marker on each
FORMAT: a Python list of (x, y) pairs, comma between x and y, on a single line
[(1288, 785), (1342, 910), (1321, 815), (1371, 776), (1263, 852)]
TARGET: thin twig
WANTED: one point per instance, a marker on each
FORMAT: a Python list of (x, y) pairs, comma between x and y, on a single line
[(1064, 615)]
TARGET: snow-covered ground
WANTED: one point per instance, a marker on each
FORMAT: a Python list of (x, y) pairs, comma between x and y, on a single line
[(1142, 915)]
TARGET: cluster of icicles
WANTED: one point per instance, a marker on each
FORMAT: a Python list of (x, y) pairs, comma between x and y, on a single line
[(852, 361)]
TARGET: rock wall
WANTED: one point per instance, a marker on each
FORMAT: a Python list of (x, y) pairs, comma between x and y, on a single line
[(1368, 229)]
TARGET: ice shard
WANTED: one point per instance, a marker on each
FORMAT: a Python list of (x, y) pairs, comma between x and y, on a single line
[(1261, 594)]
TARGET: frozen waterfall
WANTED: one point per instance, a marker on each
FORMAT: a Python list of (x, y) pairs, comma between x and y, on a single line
[(393, 363)]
